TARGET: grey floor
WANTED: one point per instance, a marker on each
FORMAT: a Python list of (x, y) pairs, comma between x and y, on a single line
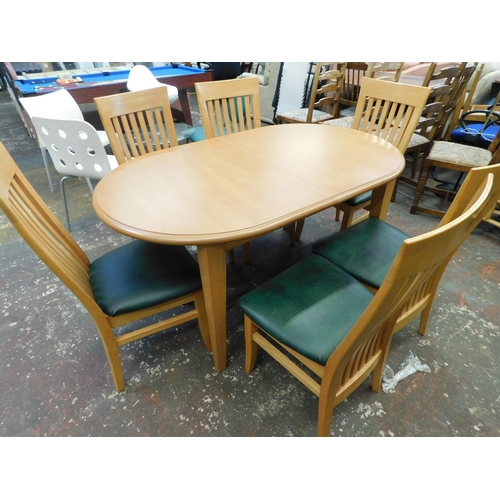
[(55, 381)]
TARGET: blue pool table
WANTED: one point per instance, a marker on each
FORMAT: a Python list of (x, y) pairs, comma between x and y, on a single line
[(112, 82)]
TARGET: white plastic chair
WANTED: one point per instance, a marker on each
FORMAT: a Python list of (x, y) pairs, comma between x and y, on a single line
[(76, 151), (141, 78), (58, 104)]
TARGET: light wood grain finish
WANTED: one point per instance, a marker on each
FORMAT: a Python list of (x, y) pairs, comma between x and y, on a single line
[(229, 106), (218, 192), (137, 123)]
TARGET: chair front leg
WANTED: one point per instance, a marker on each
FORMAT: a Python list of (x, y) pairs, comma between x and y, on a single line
[(251, 347)]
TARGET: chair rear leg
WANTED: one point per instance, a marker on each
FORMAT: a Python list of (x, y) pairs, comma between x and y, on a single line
[(46, 163), (63, 194)]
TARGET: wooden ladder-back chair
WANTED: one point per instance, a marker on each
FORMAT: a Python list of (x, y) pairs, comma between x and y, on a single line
[(435, 115), (137, 123), (227, 107), (130, 283), (324, 101), (366, 250), (391, 111), (354, 74), (321, 323), (388, 71), (453, 156)]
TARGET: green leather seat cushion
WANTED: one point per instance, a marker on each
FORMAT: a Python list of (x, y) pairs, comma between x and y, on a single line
[(360, 198), (365, 250), (310, 307), (142, 274)]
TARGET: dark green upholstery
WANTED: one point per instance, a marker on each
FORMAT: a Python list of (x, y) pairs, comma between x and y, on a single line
[(310, 307), (365, 250), (360, 198), (141, 274)]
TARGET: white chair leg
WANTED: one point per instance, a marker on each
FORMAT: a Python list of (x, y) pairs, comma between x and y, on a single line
[(63, 194), (91, 188), (45, 157)]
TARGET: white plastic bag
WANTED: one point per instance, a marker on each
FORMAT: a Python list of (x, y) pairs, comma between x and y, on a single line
[(409, 366)]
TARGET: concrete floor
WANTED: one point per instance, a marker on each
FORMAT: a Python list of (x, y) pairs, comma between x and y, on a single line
[(55, 381)]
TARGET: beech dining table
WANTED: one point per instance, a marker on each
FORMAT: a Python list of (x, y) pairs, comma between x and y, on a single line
[(218, 193)]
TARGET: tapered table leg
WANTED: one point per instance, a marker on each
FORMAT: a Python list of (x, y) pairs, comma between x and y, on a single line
[(212, 262), (381, 198)]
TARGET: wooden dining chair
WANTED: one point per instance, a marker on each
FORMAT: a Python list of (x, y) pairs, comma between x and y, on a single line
[(367, 250), (137, 123), (354, 74), (324, 100), (317, 316), (435, 116), (228, 107), (130, 283), (389, 110), (387, 71), (449, 87)]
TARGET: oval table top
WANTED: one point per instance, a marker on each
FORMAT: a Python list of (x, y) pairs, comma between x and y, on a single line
[(242, 185)]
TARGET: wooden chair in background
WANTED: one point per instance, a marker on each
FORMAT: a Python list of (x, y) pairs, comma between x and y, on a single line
[(387, 71), (137, 123), (130, 283), (451, 156), (329, 323), (354, 74), (324, 103), (435, 116)]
